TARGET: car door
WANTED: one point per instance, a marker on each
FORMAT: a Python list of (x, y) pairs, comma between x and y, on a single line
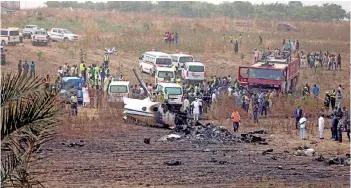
[(60, 34), (53, 35)]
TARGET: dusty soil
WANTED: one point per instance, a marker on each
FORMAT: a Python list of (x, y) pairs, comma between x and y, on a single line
[(118, 157)]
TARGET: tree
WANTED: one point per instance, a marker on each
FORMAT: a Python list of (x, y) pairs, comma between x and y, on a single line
[(29, 116)]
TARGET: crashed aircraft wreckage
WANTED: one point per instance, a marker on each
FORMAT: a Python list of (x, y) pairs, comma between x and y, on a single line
[(149, 112)]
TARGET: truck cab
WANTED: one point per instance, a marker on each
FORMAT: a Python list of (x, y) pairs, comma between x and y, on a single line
[(180, 59), (27, 30), (175, 93), (60, 34), (152, 59), (39, 36), (161, 74), (117, 90), (70, 85)]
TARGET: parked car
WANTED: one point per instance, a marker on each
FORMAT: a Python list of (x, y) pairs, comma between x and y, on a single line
[(59, 34), (28, 29), (286, 27), (10, 36), (39, 36)]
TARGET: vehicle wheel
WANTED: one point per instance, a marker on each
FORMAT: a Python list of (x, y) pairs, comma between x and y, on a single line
[(33, 43), (3, 43), (65, 39)]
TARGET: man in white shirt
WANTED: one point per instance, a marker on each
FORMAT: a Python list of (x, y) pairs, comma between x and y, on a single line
[(256, 55), (321, 126), (196, 109), (302, 123), (213, 96)]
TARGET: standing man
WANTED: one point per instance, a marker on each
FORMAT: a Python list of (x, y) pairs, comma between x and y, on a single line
[(224, 39), (256, 55), (339, 61), (106, 59), (255, 112), (321, 126), (47, 81), (74, 104), (19, 65), (231, 39), (91, 91), (327, 101), (261, 40), (81, 69), (240, 38), (315, 91), (196, 111), (32, 69), (236, 47), (302, 123), (25, 68), (236, 120), (333, 99), (298, 115)]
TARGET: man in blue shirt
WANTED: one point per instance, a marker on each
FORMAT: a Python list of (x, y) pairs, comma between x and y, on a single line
[(315, 91), (298, 116), (32, 69)]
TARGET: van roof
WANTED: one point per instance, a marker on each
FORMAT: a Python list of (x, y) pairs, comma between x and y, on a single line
[(123, 83), (65, 79), (157, 54), (169, 85), (182, 55), (195, 63), (164, 69), (32, 25)]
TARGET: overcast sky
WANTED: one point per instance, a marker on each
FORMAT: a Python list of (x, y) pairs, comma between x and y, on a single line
[(345, 4)]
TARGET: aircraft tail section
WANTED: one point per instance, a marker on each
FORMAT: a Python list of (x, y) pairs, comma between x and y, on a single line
[(142, 83)]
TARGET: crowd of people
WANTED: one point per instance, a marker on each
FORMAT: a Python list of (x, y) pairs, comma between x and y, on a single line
[(325, 60), (171, 37)]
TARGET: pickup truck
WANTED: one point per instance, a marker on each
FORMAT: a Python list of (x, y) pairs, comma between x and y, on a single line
[(28, 29), (39, 36), (59, 34)]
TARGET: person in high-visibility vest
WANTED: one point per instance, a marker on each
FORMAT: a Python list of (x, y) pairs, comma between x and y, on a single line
[(106, 60), (186, 105), (333, 99), (179, 82), (236, 120), (81, 68), (174, 68)]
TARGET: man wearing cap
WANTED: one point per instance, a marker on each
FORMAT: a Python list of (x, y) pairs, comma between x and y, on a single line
[(236, 120)]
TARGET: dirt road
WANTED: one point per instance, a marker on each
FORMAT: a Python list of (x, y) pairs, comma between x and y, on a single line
[(121, 158)]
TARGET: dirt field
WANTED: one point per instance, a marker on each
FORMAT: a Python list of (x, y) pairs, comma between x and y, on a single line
[(114, 154)]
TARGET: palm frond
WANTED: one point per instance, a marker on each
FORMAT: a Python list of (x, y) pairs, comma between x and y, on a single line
[(14, 86)]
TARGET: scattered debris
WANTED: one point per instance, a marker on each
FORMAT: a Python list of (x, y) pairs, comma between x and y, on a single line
[(286, 151), (73, 144), (280, 167), (267, 151), (173, 163), (251, 138), (305, 152), (147, 140), (337, 161), (170, 137), (320, 158), (263, 143), (206, 150), (273, 157), (261, 131)]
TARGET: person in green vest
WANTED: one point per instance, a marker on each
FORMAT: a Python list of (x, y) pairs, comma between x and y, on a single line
[(106, 60), (81, 68), (240, 38)]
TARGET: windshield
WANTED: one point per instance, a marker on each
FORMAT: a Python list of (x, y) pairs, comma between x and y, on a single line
[(14, 33), (67, 32), (174, 90), (69, 85), (185, 59), (118, 89), (162, 74), (268, 74), (194, 68), (163, 61), (40, 32)]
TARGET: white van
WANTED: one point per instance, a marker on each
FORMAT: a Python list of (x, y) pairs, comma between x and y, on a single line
[(194, 72), (151, 60), (10, 36), (161, 74), (175, 93), (117, 90), (179, 59)]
